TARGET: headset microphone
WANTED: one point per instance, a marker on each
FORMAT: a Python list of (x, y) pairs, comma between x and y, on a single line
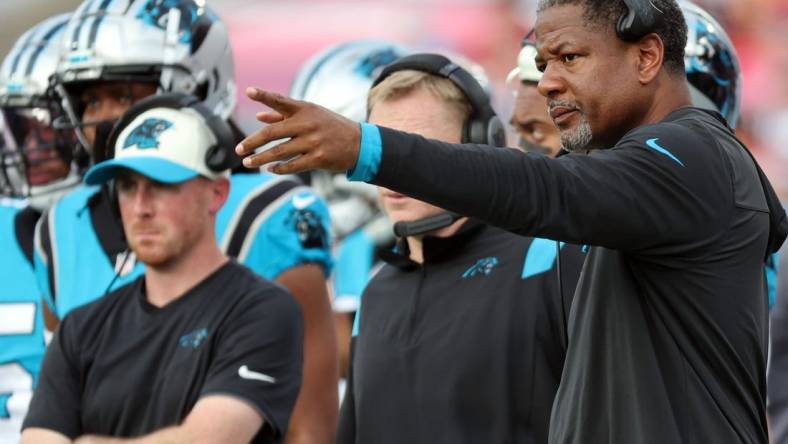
[(426, 225)]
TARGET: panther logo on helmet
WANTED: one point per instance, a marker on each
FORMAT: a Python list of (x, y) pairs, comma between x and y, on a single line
[(155, 14), (372, 64), (146, 135), (711, 64)]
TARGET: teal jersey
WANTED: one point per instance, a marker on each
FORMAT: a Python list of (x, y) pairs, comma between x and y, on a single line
[(269, 224), (72, 265), (770, 269), (21, 323), (355, 261), (273, 223)]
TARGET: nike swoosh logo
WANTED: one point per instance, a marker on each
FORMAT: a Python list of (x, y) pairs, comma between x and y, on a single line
[(245, 373), (301, 202), (652, 143)]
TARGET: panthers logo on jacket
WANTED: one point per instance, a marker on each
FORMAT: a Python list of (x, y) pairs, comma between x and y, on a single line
[(482, 267), (146, 135)]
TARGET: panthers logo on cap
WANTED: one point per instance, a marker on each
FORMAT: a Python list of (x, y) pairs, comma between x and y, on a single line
[(146, 135)]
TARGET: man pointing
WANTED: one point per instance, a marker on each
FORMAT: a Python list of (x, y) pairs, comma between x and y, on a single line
[(668, 330)]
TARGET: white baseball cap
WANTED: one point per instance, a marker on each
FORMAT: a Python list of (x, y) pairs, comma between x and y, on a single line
[(526, 70), (164, 144)]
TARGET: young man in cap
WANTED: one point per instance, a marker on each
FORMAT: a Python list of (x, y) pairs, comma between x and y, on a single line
[(276, 226), (197, 347)]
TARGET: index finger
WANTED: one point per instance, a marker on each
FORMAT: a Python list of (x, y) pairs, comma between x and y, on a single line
[(269, 133), (284, 105)]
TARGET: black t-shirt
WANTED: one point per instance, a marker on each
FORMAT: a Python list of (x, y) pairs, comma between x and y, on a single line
[(122, 367), (467, 347), (668, 328)]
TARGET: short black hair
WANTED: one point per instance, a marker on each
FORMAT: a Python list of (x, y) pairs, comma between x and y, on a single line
[(605, 13)]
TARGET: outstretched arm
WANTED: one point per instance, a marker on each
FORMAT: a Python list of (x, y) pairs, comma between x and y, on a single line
[(654, 189)]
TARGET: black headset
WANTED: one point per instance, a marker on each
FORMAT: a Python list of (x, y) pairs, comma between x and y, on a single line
[(219, 157), (483, 126), (641, 18)]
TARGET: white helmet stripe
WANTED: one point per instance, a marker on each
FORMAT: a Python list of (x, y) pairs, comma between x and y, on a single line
[(83, 32), (19, 53), (26, 54), (82, 14), (97, 22), (44, 43)]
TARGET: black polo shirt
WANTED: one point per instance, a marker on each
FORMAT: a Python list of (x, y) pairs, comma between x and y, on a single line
[(122, 367), (467, 347), (668, 330)]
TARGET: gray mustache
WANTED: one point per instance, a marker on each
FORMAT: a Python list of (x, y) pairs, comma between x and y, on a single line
[(559, 103)]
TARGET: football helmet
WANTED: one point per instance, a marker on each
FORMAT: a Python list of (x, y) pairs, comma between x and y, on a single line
[(35, 158), (711, 64), (339, 79), (179, 45)]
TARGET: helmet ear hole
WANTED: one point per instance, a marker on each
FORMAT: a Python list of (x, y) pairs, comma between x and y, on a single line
[(201, 90)]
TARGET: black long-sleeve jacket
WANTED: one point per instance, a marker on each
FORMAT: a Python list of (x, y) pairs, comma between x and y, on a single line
[(668, 329)]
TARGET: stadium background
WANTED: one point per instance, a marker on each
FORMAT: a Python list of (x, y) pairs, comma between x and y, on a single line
[(272, 38)]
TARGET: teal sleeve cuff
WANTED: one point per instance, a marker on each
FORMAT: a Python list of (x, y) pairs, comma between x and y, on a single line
[(369, 155)]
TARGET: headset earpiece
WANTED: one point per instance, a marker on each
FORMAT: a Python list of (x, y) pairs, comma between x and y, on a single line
[(496, 132), (641, 18), (221, 156), (483, 126), (111, 192)]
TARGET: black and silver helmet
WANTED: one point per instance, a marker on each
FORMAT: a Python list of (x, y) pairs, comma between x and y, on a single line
[(179, 45), (711, 64), (29, 142)]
